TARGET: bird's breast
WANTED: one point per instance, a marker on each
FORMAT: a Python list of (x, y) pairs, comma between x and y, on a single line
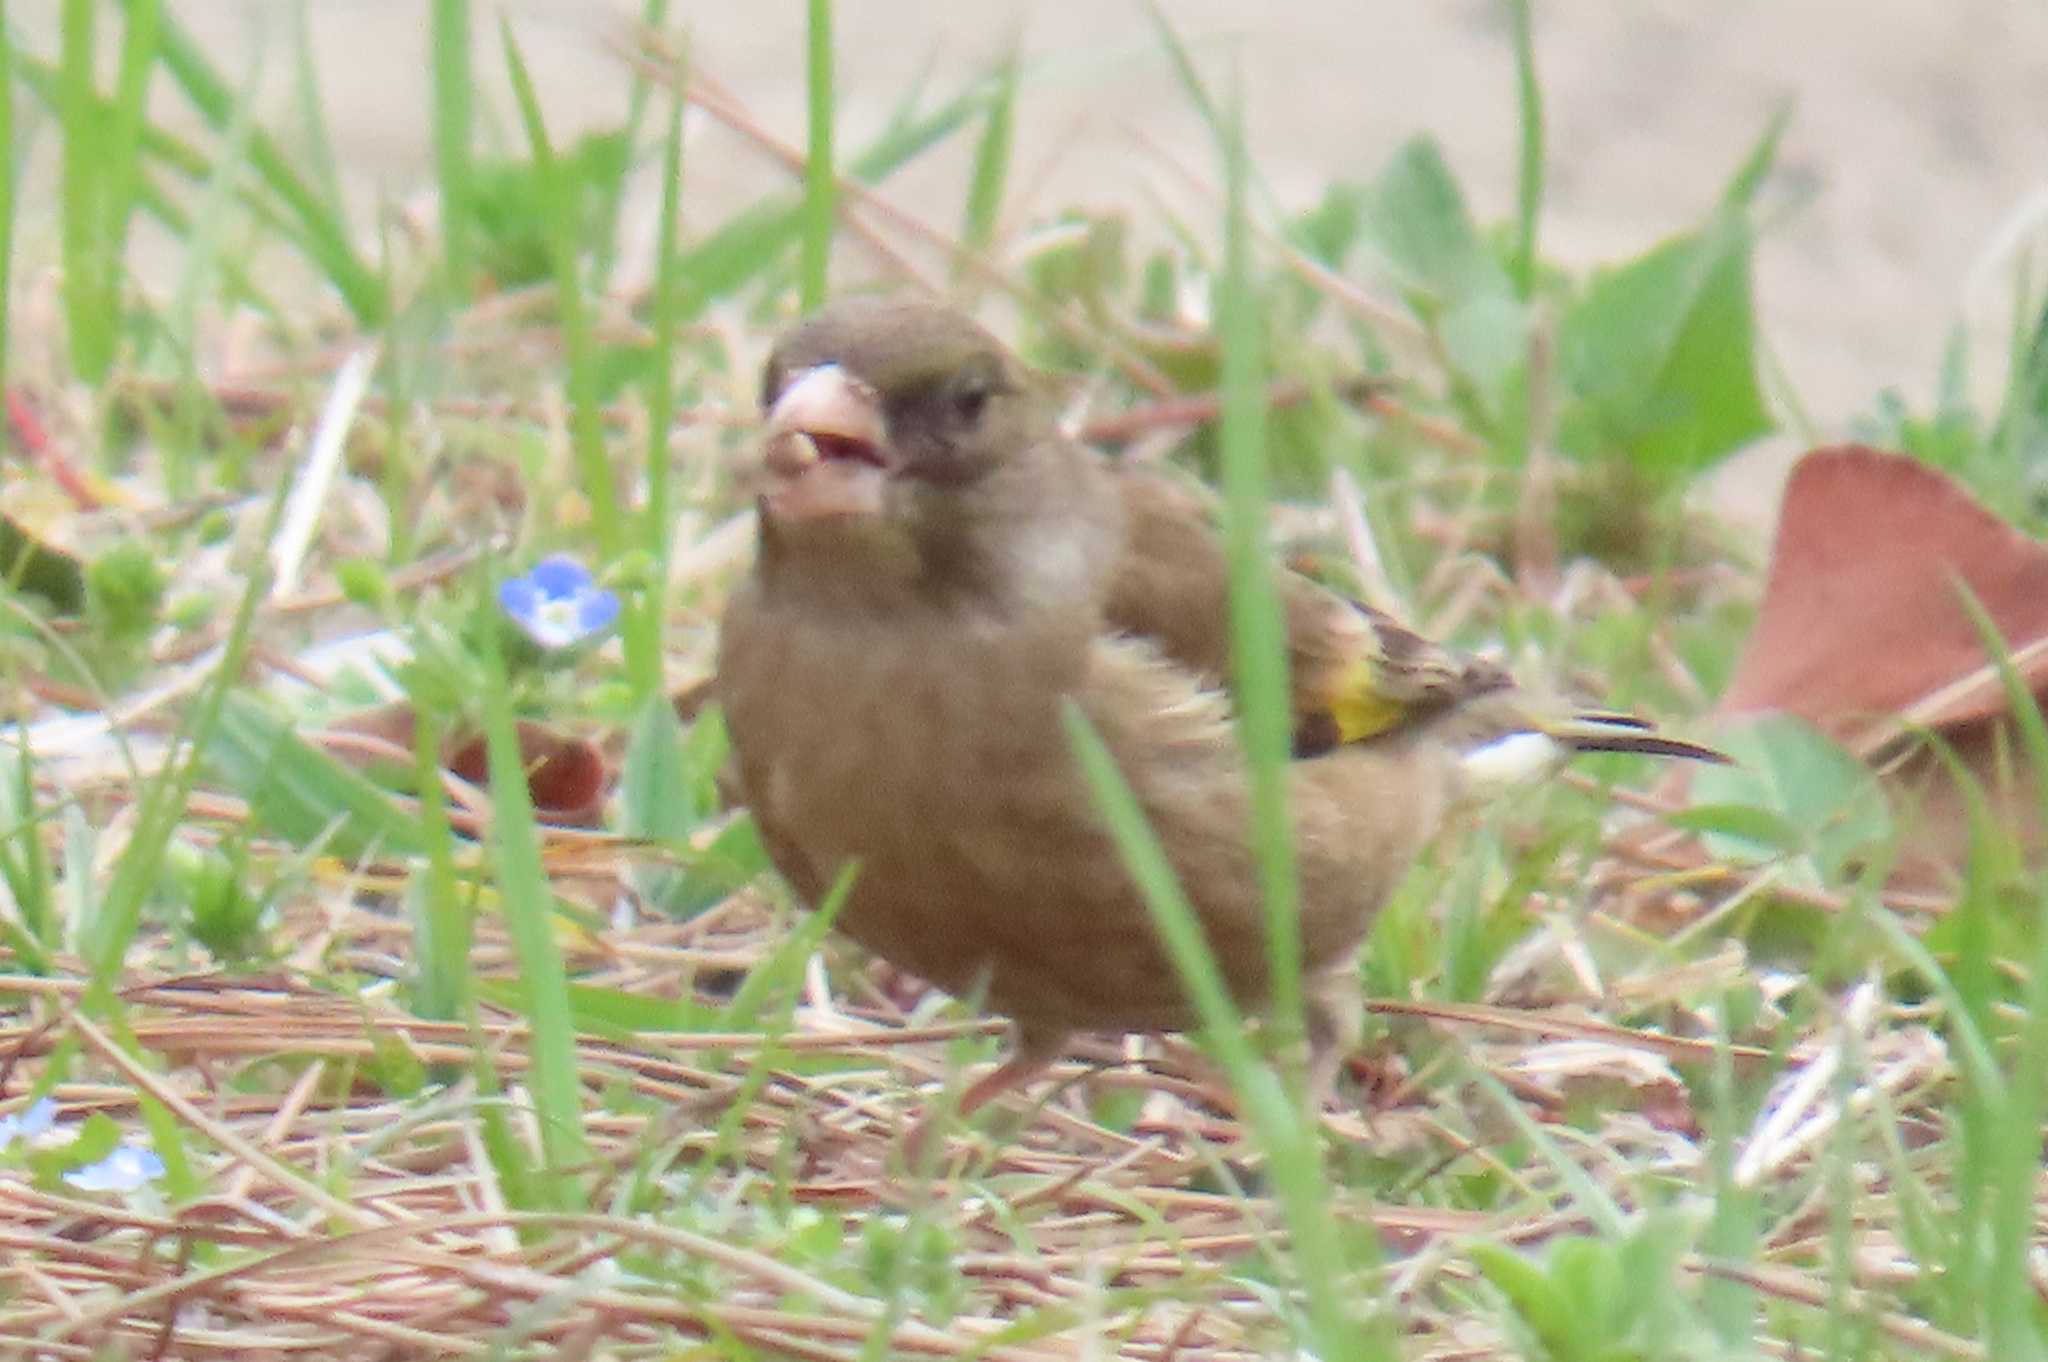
[(929, 754)]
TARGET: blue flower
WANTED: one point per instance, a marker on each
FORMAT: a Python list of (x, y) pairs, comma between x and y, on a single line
[(26, 1125), (127, 1169), (558, 604)]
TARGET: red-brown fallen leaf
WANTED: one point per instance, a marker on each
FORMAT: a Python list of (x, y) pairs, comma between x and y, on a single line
[(1861, 620), (567, 777), (1862, 632)]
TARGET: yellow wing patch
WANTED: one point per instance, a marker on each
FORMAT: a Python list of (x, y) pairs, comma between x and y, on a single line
[(1360, 705)]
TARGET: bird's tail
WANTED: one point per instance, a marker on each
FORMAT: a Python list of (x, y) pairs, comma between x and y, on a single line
[(1602, 731)]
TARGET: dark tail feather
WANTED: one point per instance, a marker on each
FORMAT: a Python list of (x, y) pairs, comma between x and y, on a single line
[(1615, 717), (1601, 732), (1648, 744)]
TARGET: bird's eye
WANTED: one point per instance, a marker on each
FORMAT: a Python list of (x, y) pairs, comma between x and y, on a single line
[(970, 402)]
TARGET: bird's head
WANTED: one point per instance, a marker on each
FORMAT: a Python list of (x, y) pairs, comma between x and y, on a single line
[(902, 441)]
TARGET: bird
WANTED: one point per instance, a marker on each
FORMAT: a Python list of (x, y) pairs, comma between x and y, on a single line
[(939, 574)]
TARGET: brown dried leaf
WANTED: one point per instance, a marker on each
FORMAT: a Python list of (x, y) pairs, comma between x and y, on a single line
[(1861, 621), (567, 777), (1863, 633)]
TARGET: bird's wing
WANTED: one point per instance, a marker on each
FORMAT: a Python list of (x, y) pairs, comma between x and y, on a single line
[(1355, 673)]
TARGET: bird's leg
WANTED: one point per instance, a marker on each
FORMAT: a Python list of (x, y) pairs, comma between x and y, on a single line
[(1032, 1052), (1334, 1016)]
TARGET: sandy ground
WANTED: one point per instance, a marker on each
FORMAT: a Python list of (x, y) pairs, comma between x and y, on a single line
[(1919, 127)]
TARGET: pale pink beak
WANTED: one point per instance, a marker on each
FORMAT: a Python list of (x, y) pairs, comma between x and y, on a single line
[(826, 413)]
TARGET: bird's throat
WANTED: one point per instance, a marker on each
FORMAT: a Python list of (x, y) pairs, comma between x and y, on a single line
[(828, 490)]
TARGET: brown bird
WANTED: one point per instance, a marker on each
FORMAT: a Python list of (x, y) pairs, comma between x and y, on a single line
[(938, 571)]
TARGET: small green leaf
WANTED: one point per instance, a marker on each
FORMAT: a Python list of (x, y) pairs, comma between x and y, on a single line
[(659, 800), (1648, 1262), (1538, 1303), (1586, 1274), (510, 200), (364, 582), (25, 864), (1802, 789), (1486, 339), (1771, 832), (224, 915), (814, 1237), (299, 792), (125, 590), (98, 1136), (1327, 232), (1659, 356), (1415, 215), (393, 1066), (27, 564), (735, 857), (1080, 259)]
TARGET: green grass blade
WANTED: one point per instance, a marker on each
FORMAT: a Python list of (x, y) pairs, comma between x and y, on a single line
[(87, 291), (646, 629), (658, 793), (991, 175), (511, 1162), (299, 792), (442, 985), (1587, 1195), (749, 243), (1258, 630), (312, 111), (6, 186), (1530, 163), (1173, 916), (209, 263), (614, 1012), (1733, 1230), (1214, 113), (322, 229), (653, 18), (529, 918), (45, 82), (586, 428), (25, 861), (1275, 1116), (604, 233), (1763, 154), (785, 964), (1191, 83), (124, 137), (2011, 1304), (821, 183), (453, 86), (104, 934)]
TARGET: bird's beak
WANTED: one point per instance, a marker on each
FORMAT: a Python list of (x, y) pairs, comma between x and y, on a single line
[(825, 449)]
